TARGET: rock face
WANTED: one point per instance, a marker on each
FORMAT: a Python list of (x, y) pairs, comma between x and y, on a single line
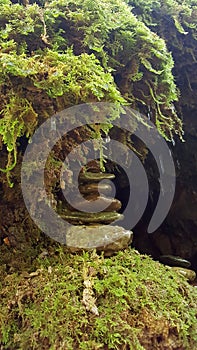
[(178, 234), (107, 238)]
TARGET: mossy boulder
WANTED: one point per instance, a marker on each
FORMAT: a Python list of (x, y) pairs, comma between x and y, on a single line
[(86, 301)]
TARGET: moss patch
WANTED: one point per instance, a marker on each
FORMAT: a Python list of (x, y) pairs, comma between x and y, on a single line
[(61, 53), (87, 302)]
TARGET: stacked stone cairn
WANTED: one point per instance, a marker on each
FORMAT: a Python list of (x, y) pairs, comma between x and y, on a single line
[(92, 226)]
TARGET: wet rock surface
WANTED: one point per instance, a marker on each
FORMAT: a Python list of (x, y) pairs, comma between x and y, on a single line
[(93, 203), (107, 238), (95, 188), (91, 218)]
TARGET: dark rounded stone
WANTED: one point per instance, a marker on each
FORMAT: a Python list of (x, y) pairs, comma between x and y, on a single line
[(93, 188), (94, 203), (95, 177), (93, 166), (80, 218), (173, 260)]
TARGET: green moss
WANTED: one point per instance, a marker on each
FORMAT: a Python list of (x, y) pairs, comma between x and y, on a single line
[(126, 46), (83, 51), (129, 299), (176, 22), (78, 78), (18, 118)]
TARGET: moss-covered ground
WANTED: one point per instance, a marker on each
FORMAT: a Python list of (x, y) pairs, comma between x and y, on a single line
[(86, 301)]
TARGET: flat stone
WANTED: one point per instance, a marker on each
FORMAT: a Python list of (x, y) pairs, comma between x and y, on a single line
[(91, 218), (173, 260), (93, 188), (94, 204), (95, 177), (93, 166), (105, 238), (189, 274)]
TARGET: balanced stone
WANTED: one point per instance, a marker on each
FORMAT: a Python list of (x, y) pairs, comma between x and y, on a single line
[(95, 188), (102, 238), (91, 218), (173, 260), (95, 177), (91, 214), (189, 274), (93, 203)]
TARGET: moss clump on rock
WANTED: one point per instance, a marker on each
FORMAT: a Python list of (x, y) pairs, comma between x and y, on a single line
[(176, 23), (84, 301), (55, 54)]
